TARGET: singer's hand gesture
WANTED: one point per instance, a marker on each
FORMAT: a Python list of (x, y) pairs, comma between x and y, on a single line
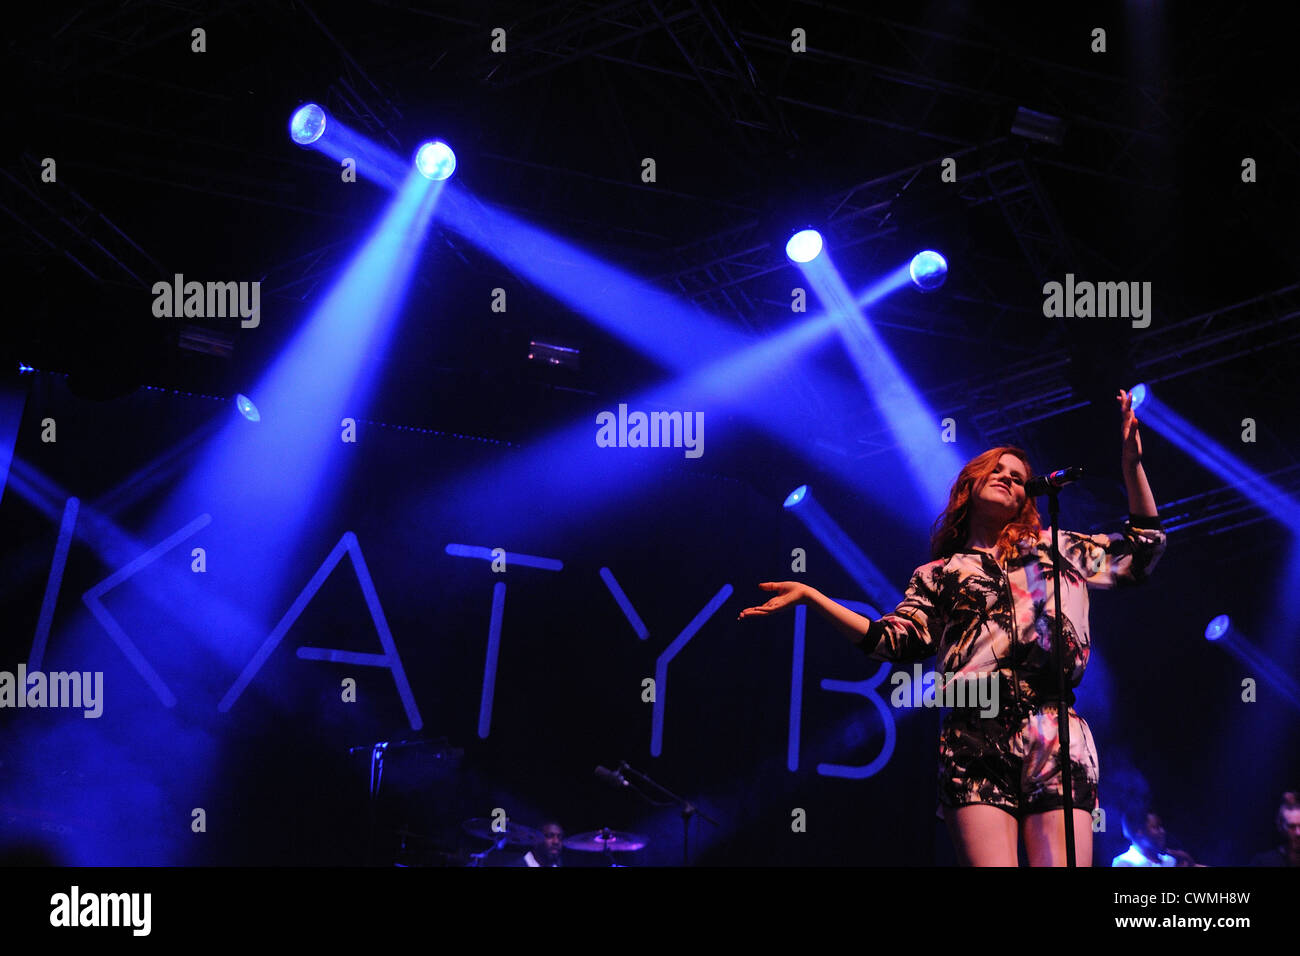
[(788, 592), (1130, 435)]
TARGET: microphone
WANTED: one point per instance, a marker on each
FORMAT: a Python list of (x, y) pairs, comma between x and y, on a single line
[(612, 777), (1054, 481)]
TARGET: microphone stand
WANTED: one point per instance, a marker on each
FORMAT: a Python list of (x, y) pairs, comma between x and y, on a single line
[(478, 858), (377, 751), (688, 809), (1062, 707)]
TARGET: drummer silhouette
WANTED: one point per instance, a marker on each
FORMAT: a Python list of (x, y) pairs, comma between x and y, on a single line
[(549, 848)]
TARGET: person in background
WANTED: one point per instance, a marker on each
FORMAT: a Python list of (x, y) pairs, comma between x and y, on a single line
[(1149, 846), (1287, 853)]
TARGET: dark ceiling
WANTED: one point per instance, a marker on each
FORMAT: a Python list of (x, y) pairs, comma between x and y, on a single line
[(175, 161)]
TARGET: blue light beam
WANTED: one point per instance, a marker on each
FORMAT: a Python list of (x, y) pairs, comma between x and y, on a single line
[(1218, 460), (931, 462), (263, 485), (1260, 665), (312, 128), (875, 586), (679, 337)]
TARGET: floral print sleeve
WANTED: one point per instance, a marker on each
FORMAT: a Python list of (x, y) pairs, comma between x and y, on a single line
[(1116, 560), (910, 631)]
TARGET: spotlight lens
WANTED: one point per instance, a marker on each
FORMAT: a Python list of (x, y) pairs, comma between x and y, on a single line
[(307, 125), (804, 246), (1216, 628), (796, 496), (247, 408), (435, 160), (1139, 394), (928, 270)]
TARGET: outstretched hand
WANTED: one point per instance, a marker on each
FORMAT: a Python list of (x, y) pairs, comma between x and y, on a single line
[(788, 592), (1129, 433)]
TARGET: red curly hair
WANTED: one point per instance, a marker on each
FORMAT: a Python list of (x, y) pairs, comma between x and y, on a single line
[(952, 528), (1289, 802)]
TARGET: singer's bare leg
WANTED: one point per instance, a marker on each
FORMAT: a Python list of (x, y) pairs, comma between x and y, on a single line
[(1045, 838), (983, 835)]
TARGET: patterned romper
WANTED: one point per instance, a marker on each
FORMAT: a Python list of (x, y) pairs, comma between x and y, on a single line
[(979, 619)]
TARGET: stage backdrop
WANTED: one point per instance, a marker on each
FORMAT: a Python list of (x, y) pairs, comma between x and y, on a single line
[(495, 613)]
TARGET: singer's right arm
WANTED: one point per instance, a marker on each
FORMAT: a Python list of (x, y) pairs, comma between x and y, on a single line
[(903, 634), (909, 632), (852, 625), (788, 593)]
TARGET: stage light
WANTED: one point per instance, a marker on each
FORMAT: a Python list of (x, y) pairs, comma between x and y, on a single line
[(561, 355), (1216, 628), (804, 246), (928, 270), (307, 124), (1042, 127), (247, 408), (312, 128), (24, 368), (435, 160), (795, 496), (1139, 394)]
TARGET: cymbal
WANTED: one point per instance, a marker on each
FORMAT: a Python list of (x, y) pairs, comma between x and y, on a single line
[(514, 833), (404, 833), (597, 841)]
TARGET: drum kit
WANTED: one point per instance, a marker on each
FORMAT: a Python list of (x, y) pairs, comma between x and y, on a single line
[(422, 849), (508, 833)]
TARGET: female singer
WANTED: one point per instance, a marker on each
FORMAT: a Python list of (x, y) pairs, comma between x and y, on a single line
[(985, 606)]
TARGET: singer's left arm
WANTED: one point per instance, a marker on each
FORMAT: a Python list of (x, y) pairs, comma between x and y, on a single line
[(1117, 560), (1140, 500)]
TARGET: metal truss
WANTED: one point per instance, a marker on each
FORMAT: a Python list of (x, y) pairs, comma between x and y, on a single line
[(91, 43), (298, 278), (1263, 325), (566, 32), (863, 212), (1163, 353), (355, 94), (1221, 335), (752, 78), (77, 44), (1031, 218), (56, 220), (904, 58), (742, 252), (1227, 507)]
